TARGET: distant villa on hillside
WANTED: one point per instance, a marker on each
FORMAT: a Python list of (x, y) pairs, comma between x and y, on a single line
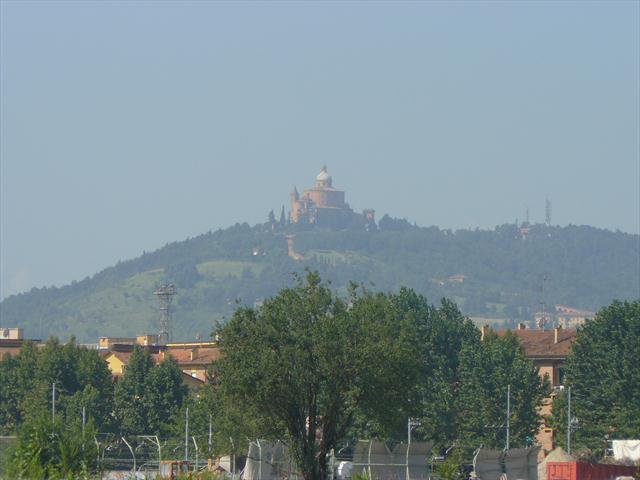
[(324, 205)]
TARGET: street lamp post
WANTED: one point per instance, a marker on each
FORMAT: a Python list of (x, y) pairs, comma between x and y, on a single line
[(572, 422), (410, 424)]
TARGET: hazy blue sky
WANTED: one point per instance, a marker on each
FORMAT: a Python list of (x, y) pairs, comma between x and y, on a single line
[(128, 125)]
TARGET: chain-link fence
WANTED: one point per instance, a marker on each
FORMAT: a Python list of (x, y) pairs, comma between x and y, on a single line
[(517, 463), (377, 460), (374, 459), (268, 460), (147, 456)]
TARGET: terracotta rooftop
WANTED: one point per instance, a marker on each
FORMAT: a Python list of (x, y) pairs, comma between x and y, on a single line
[(542, 343), (184, 356), (13, 346), (194, 356), (125, 356)]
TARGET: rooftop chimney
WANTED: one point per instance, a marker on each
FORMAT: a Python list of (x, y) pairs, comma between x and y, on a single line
[(522, 326), (556, 333)]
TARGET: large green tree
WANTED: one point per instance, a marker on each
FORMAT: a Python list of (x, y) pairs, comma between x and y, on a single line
[(443, 332), (148, 397), (439, 333), (308, 361), (603, 371), (57, 446), (10, 391), (81, 379), (487, 368)]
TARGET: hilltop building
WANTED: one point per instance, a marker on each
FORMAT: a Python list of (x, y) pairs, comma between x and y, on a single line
[(324, 205), (565, 317), (569, 317)]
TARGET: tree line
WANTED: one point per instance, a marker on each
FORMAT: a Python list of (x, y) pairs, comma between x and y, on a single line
[(319, 371)]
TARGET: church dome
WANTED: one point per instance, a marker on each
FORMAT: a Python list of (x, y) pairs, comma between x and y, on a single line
[(323, 179)]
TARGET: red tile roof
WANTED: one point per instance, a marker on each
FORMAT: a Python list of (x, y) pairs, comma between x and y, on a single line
[(201, 355), (542, 344)]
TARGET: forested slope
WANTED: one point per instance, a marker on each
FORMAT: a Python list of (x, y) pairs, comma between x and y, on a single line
[(503, 271)]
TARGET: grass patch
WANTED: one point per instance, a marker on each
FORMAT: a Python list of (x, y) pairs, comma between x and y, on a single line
[(219, 269), (334, 257)]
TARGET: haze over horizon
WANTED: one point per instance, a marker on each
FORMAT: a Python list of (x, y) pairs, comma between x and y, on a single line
[(125, 126)]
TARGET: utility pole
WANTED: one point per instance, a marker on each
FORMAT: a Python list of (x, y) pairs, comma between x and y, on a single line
[(508, 414), (53, 400), (186, 436), (408, 473), (569, 420), (233, 459), (410, 424), (210, 418), (544, 303)]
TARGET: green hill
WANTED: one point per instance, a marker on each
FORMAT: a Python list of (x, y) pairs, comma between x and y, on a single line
[(501, 272)]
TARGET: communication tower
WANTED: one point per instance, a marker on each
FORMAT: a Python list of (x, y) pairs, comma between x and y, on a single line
[(543, 306), (165, 294), (547, 211)]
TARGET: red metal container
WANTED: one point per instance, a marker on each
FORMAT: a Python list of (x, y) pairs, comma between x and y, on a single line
[(587, 471)]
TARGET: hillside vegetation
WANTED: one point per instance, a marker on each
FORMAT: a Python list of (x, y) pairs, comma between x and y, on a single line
[(503, 271)]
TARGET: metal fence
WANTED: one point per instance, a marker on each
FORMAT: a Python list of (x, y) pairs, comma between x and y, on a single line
[(402, 462), (517, 463), (140, 456), (377, 460), (268, 460)]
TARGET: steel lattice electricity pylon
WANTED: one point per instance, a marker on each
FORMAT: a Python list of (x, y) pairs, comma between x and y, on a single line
[(165, 294)]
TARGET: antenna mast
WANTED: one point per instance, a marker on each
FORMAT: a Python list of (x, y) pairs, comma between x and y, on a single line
[(543, 304), (547, 211), (165, 294)]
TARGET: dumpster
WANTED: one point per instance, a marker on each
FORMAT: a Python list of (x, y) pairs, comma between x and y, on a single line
[(172, 469), (587, 471)]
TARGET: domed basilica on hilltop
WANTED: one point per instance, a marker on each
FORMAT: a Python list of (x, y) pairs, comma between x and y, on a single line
[(324, 205)]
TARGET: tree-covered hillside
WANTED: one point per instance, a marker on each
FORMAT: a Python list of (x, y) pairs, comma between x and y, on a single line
[(492, 273)]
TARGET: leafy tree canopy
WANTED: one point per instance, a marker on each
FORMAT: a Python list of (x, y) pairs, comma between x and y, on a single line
[(603, 371), (487, 369), (149, 397), (308, 361), (81, 378)]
